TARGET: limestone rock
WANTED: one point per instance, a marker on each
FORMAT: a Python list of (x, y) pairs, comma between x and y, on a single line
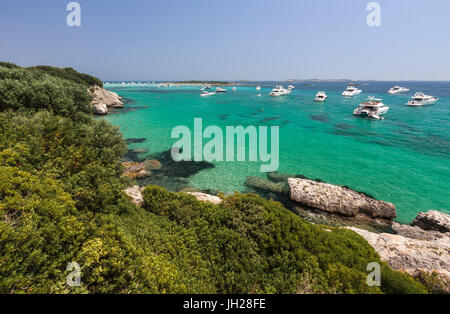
[(135, 170), (433, 220), (418, 233), (410, 255), (110, 99), (338, 199), (100, 109), (206, 197), (135, 192)]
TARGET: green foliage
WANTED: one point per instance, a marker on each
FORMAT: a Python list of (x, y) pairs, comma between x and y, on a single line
[(33, 89), (8, 65), (70, 74), (62, 201), (256, 245)]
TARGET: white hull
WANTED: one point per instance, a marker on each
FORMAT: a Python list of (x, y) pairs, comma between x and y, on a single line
[(422, 103), (399, 91), (371, 113), (207, 94), (351, 94)]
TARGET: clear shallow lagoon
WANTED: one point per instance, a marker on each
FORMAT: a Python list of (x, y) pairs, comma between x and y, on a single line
[(404, 159)]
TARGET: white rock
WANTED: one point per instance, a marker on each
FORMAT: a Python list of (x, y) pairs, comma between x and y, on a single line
[(410, 255), (100, 109), (338, 199), (135, 192), (110, 99), (206, 197)]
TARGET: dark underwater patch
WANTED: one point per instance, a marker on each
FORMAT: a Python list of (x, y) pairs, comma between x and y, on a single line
[(223, 116), (135, 140), (322, 117)]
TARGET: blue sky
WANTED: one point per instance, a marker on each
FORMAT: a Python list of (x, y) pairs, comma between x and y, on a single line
[(232, 39)]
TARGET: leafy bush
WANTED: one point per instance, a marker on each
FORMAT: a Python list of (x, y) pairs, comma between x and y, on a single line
[(70, 74), (32, 89)]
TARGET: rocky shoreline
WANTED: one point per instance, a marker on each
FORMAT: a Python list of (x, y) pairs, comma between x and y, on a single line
[(417, 251)]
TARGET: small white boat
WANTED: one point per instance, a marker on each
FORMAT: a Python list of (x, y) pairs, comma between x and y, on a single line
[(320, 97), (420, 99), (258, 87), (372, 108), (206, 93), (220, 90), (398, 90), (279, 91), (234, 88), (351, 90), (291, 87)]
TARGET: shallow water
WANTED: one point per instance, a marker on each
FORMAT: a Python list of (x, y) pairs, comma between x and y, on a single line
[(403, 159)]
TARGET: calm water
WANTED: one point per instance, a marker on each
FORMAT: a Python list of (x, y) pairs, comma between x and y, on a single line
[(404, 159)]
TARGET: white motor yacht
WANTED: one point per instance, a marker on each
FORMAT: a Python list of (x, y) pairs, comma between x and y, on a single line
[(220, 90), (352, 90), (372, 108), (320, 97), (258, 87), (398, 90), (279, 91), (420, 99), (206, 93), (291, 87)]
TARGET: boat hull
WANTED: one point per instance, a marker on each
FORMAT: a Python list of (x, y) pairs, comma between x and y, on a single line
[(422, 103)]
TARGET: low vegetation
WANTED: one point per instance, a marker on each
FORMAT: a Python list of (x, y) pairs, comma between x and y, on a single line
[(62, 201)]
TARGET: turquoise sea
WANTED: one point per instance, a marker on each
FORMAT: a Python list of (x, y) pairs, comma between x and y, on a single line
[(404, 159)]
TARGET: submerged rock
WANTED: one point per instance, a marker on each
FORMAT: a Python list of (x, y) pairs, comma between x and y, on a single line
[(410, 255), (135, 140), (266, 185), (153, 164), (203, 197), (135, 170), (337, 199), (135, 193), (433, 220)]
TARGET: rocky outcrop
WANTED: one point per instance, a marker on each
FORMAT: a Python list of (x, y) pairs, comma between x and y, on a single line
[(203, 197), (411, 255), (433, 220), (102, 99), (338, 199), (100, 109), (418, 233), (135, 170), (135, 193)]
